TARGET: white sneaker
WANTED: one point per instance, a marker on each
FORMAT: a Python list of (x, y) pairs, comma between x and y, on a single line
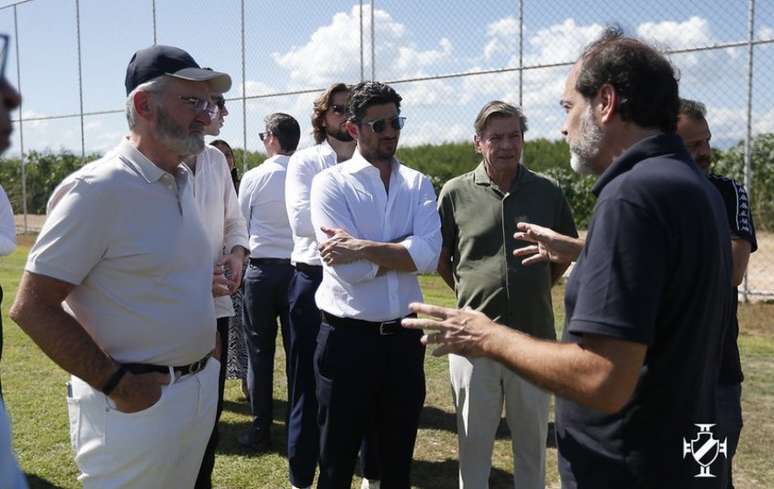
[(370, 484)]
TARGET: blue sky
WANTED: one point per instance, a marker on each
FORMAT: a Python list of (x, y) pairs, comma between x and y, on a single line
[(297, 45)]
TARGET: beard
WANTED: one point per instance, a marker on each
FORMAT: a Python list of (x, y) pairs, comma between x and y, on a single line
[(175, 137), (584, 151), (339, 134)]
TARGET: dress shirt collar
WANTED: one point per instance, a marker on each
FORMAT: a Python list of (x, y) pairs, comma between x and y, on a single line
[(279, 159), (145, 167), (357, 164), (523, 175)]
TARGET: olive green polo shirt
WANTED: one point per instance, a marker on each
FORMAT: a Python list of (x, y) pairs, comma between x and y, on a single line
[(478, 222)]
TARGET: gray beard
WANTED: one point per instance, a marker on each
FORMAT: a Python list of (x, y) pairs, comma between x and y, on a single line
[(175, 137), (586, 149)]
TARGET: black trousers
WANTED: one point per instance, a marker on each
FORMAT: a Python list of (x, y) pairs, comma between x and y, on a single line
[(204, 479), (303, 434), (367, 380)]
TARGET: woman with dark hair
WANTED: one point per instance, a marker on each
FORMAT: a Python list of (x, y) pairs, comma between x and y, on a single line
[(237, 354)]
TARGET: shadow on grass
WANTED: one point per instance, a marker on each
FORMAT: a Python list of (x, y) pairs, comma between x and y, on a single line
[(437, 475), (229, 432), (36, 482)]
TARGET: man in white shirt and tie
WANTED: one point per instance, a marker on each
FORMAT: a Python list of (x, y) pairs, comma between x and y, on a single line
[(334, 145), (377, 225), (265, 297)]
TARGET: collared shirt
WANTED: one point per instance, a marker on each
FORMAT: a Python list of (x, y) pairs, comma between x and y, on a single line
[(655, 270), (128, 235), (7, 225), (262, 201), (216, 198), (302, 168), (351, 196), (478, 222)]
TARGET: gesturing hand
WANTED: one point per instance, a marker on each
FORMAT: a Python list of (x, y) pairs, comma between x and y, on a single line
[(340, 248), (549, 246), (464, 332)]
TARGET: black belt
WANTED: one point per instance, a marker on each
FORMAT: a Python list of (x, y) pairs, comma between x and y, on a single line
[(191, 368), (269, 261), (306, 268), (383, 328)]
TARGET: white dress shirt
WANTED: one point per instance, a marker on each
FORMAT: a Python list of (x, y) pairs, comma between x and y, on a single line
[(216, 198), (302, 168), (351, 196), (7, 225), (262, 201), (128, 235)]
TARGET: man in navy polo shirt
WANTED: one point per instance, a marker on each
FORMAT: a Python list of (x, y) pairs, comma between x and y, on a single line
[(648, 300)]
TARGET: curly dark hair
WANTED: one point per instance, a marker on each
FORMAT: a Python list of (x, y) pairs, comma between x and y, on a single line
[(365, 94), (321, 105), (644, 80)]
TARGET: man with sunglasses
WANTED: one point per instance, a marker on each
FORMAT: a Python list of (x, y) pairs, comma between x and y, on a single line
[(333, 145), (118, 287), (265, 295), (216, 198), (378, 227)]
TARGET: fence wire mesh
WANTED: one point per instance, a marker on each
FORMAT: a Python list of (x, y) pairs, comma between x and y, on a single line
[(445, 58)]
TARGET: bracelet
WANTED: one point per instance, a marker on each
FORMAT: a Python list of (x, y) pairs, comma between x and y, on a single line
[(114, 379)]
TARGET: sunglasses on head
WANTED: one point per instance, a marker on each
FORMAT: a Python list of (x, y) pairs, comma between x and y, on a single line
[(380, 125)]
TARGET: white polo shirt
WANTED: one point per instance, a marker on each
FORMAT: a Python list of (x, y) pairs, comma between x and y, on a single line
[(214, 193), (351, 196), (302, 168), (262, 200), (129, 237)]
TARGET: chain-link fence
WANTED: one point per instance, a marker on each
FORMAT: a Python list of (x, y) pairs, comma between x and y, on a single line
[(445, 58)]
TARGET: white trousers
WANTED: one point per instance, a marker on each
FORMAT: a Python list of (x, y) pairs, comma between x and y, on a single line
[(479, 387), (159, 447)]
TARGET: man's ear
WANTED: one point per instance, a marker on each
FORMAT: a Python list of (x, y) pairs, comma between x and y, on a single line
[(353, 129), (608, 102), (143, 104), (477, 143)]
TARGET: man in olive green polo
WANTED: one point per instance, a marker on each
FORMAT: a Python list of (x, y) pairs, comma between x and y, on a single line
[(479, 211)]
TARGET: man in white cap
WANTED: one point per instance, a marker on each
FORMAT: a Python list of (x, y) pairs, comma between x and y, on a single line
[(117, 288)]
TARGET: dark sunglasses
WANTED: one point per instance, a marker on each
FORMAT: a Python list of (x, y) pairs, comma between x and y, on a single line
[(338, 109), (264, 135), (380, 125)]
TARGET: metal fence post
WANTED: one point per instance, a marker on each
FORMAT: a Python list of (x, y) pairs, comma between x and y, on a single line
[(153, 13), (244, 94), (373, 44), (21, 122), (521, 53), (748, 134), (80, 77), (362, 66)]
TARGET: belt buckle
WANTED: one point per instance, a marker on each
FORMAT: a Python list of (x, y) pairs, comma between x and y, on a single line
[(385, 328), (196, 366)]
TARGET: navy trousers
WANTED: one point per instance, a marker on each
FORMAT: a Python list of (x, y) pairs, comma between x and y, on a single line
[(265, 299), (368, 380), (303, 433)]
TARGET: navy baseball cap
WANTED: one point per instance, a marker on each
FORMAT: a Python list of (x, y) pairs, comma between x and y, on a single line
[(155, 61)]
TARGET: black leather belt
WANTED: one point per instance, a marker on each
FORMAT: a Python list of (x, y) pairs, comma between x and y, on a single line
[(269, 261), (306, 268), (191, 368), (383, 328)]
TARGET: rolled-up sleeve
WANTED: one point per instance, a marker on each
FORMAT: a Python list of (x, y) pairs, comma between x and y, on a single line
[(424, 245), (329, 209)]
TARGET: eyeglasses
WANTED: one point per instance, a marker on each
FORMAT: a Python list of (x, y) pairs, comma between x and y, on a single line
[(219, 101), (380, 125), (338, 109), (201, 105), (264, 135), (5, 40)]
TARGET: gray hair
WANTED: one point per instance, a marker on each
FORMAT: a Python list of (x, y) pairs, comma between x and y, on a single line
[(155, 86), (497, 108), (693, 109)]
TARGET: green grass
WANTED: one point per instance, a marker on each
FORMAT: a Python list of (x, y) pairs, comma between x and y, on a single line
[(35, 395)]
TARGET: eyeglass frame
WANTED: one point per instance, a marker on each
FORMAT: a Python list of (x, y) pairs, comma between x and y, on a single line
[(205, 106), (263, 135), (396, 123)]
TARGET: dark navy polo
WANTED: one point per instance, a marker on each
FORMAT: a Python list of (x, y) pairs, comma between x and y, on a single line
[(655, 270)]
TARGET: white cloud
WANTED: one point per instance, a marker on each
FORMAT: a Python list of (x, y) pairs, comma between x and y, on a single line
[(432, 92), (502, 37), (410, 58), (677, 35), (561, 42), (434, 133)]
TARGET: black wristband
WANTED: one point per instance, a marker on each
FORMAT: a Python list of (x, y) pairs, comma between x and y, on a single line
[(114, 379)]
